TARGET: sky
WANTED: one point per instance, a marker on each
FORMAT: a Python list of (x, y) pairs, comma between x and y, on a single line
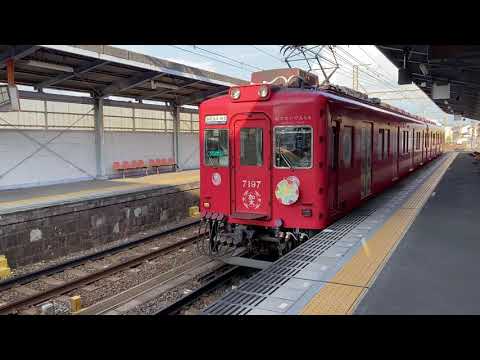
[(376, 72)]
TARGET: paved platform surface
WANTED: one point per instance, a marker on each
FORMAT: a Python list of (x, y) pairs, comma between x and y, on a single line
[(333, 271), (435, 268), (37, 197)]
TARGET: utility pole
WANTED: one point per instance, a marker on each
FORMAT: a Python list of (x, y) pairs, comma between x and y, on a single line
[(355, 69)]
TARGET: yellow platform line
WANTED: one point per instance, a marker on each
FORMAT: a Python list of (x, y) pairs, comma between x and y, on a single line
[(131, 184), (343, 292)]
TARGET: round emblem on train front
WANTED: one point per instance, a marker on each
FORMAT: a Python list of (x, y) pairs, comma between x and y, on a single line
[(287, 191), (216, 179)]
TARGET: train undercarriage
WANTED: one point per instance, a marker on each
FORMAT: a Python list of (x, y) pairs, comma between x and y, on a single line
[(221, 237)]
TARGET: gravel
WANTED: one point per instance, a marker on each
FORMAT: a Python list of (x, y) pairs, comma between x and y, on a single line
[(127, 279), (153, 306), (30, 268), (121, 281), (207, 299)]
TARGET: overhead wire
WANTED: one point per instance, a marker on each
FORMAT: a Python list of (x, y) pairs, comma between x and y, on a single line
[(209, 57), (267, 53), (226, 57)]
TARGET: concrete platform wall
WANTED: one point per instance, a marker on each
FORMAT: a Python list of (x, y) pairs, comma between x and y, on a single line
[(31, 236)]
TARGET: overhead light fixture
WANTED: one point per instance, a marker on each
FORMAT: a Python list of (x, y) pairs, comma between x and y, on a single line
[(404, 75), (423, 69), (50, 66), (157, 84), (441, 92)]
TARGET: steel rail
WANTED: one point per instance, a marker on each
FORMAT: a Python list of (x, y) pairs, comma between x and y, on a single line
[(35, 299), (188, 299), (29, 277)]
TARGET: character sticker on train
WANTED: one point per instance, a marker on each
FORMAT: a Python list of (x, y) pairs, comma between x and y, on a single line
[(287, 190), (251, 198)]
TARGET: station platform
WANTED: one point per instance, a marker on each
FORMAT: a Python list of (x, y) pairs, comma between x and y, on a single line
[(43, 196), (48, 222), (411, 250)]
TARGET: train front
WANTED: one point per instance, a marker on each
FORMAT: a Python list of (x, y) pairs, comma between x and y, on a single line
[(262, 164)]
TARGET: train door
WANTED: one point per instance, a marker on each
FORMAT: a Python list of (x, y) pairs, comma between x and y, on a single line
[(395, 142), (333, 156), (414, 145), (366, 159), (422, 146), (251, 168), (347, 170)]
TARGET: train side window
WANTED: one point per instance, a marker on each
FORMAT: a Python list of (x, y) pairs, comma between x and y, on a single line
[(405, 142), (251, 146), (347, 146), (293, 146), (387, 144), (407, 135), (216, 147), (381, 144), (417, 141)]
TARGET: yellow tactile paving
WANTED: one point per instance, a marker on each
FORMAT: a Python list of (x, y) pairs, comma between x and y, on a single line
[(130, 184), (337, 299), (177, 178), (347, 287)]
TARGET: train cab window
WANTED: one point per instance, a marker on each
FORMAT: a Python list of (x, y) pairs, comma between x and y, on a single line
[(347, 146), (293, 147), (216, 147), (251, 146)]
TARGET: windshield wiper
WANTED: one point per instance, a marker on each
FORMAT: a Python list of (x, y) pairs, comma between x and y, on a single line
[(284, 157)]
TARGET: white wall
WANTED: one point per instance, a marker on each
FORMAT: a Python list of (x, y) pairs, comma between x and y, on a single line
[(120, 146), (79, 148), (188, 151), (44, 167)]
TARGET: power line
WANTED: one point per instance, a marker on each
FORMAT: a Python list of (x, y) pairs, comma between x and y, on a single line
[(208, 57), (267, 53), (226, 57)]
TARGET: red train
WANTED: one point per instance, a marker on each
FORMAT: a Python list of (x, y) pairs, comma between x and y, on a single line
[(279, 163)]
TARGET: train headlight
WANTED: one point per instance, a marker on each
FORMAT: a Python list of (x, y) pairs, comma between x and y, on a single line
[(263, 91), (235, 93), (216, 179)]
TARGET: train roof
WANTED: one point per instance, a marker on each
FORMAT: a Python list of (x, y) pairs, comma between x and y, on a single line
[(344, 94)]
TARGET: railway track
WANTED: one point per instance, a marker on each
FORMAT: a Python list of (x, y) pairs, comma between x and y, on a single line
[(59, 288), (162, 284), (228, 273)]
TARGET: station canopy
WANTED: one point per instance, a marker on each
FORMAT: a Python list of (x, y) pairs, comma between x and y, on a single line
[(448, 74), (105, 71)]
